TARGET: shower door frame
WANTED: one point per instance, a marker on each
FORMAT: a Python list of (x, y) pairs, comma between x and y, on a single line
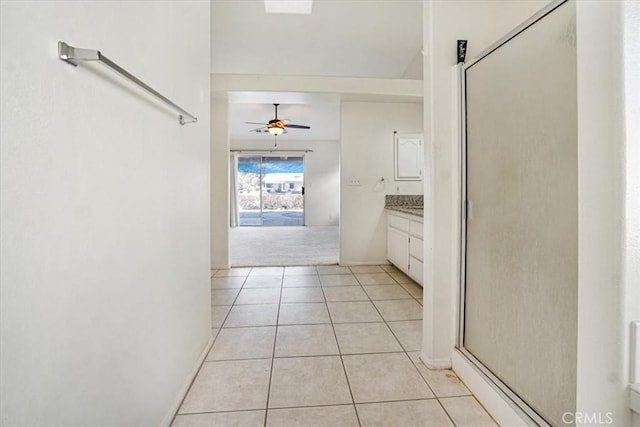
[(519, 405)]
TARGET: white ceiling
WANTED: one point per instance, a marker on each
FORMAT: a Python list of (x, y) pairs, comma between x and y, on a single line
[(348, 38)]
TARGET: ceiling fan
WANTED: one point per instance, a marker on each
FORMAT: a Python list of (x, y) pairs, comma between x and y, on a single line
[(276, 126)]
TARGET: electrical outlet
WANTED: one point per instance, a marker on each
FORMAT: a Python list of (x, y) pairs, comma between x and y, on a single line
[(353, 181)]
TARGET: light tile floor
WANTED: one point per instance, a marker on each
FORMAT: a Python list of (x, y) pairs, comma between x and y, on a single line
[(326, 346)]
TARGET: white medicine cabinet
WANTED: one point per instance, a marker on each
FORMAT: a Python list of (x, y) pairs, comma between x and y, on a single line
[(408, 153)]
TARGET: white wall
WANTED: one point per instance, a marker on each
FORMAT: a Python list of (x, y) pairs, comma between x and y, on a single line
[(219, 181), (608, 298), (321, 175), (632, 173), (104, 294), (367, 154), (404, 90)]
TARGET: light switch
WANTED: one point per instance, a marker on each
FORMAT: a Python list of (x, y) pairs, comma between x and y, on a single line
[(353, 181)]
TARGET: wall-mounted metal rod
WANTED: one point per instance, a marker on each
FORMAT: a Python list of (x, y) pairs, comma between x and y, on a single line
[(74, 55), (271, 151)]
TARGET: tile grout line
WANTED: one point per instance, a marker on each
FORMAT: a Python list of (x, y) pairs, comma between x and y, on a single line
[(273, 353), (373, 402), (320, 302), (402, 346), (344, 368), (231, 306), (394, 334), (411, 361), (312, 406), (482, 406), (446, 412), (308, 355), (331, 322), (396, 282), (225, 318), (340, 352), (203, 361)]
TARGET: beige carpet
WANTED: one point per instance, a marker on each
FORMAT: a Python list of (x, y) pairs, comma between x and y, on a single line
[(259, 246)]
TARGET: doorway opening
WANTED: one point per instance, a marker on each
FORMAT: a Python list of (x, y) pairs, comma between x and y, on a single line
[(275, 220), (270, 190)]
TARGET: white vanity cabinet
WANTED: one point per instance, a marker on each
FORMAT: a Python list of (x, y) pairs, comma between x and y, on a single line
[(404, 243)]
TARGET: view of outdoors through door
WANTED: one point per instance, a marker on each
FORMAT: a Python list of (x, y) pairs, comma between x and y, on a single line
[(271, 190)]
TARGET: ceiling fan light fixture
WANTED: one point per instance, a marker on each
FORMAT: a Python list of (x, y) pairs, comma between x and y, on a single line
[(276, 126), (302, 7), (275, 130)]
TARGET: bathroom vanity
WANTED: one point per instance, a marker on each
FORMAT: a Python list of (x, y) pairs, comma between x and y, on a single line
[(405, 247)]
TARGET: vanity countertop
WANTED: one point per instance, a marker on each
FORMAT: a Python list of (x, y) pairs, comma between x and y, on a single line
[(411, 210)]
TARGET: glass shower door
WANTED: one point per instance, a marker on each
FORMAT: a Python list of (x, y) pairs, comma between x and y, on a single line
[(521, 244)]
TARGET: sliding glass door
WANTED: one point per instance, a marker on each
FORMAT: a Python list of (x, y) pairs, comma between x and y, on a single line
[(249, 190), (270, 190)]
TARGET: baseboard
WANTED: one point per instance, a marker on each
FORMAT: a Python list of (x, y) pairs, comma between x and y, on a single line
[(173, 410), (494, 402), (635, 398), (436, 363), (356, 263)]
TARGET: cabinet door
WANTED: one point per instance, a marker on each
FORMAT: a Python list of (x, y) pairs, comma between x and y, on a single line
[(416, 249), (415, 269), (398, 248), (408, 157)]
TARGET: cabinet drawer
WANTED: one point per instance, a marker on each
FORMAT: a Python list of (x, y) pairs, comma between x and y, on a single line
[(398, 222), (416, 248), (415, 269), (416, 229)]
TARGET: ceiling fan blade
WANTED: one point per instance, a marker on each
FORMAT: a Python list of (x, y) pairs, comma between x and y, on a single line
[(289, 125), (255, 123), (259, 130)]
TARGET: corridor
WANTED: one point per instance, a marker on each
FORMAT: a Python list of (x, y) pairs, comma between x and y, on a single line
[(321, 346)]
